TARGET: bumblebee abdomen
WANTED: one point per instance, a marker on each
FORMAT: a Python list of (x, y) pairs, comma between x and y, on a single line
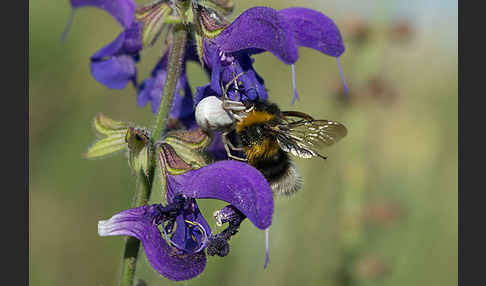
[(272, 167), (280, 172)]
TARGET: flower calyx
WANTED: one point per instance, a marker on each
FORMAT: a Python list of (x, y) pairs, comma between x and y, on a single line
[(182, 150), (155, 18)]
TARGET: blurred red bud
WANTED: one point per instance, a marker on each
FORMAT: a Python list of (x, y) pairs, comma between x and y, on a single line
[(382, 213), (401, 31), (371, 267)]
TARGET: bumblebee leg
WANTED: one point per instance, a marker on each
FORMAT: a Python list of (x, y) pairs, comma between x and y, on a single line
[(227, 145)]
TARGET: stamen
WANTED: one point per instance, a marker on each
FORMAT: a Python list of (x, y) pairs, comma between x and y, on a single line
[(267, 251), (68, 26), (167, 238), (194, 223), (342, 76), (217, 215), (295, 96), (203, 231)]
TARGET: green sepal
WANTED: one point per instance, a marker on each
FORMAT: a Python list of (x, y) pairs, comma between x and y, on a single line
[(153, 16), (223, 7), (112, 134), (209, 22), (118, 136), (105, 126), (181, 151), (190, 146), (106, 146), (138, 142), (199, 48), (195, 139), (183, 8)]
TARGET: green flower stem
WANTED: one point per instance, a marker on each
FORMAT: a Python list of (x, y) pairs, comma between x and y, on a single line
[(144, 184), (132, 245), (176, 56)]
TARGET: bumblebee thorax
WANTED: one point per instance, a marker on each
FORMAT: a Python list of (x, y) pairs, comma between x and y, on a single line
[(254, 118)]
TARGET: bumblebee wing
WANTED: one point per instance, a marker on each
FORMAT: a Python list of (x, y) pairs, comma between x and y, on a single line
[(306, 138)]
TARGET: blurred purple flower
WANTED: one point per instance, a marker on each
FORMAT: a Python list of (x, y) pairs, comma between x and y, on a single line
[(181, 256), (151, 89), (261, 29), (115, 64), (122, 10)]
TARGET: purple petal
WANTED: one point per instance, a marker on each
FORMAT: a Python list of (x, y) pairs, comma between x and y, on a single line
[(151, 90), (234, 182), (183, 104), (138, 222), (260, 28), (111, 49), (216, 149), (114, 65), (115, 72), (203, 92), (252, 87), (314, 30), (122, 10)]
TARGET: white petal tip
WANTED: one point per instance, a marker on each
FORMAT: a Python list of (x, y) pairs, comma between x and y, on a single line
[(103, 228)]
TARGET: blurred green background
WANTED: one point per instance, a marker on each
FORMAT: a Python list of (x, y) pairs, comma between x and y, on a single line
[(382, 210)]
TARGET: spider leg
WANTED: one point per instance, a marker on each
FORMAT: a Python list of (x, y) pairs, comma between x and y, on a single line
[(227, 145)]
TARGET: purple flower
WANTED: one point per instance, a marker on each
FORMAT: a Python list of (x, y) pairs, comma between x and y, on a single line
[(262, 29), (151, 89), (121, 10), (181, 256), (224, 68), (115, 64)]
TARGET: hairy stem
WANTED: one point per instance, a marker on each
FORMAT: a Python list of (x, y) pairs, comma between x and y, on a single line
[(144, 184), (132, 245), (176, 56)]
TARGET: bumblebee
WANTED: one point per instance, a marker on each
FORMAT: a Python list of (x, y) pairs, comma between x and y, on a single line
[(266, 136)]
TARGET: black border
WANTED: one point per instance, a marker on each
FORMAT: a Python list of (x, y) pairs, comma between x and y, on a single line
[(15, 143), (471, 146)]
